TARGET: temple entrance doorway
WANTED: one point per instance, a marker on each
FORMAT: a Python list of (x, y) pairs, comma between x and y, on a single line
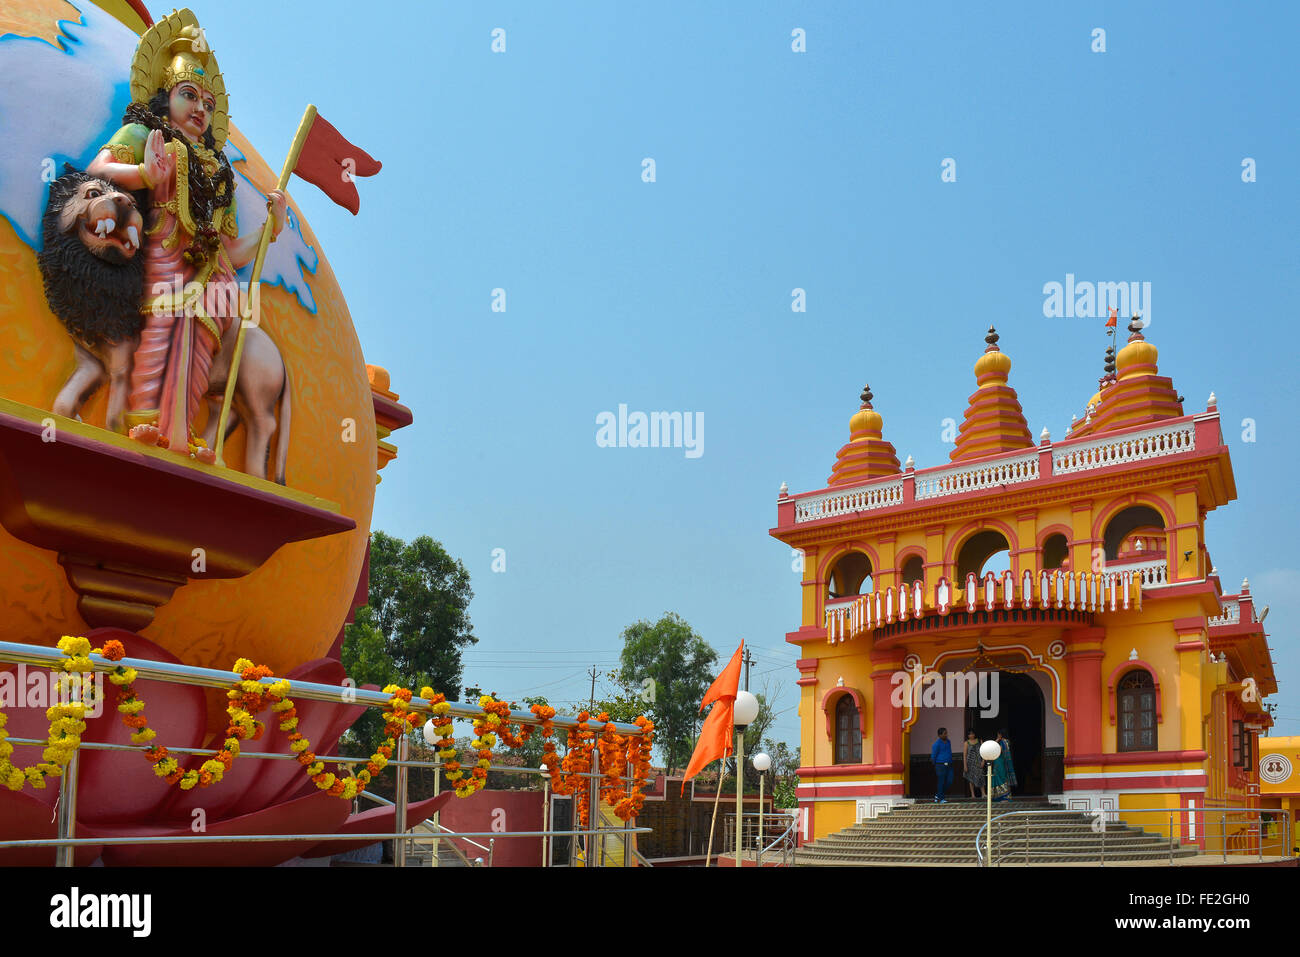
[(1020, 716)]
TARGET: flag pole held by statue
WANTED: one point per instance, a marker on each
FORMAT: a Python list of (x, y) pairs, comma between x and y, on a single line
[(322, 156)]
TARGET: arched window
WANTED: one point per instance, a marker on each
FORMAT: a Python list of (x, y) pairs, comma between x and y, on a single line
[(913, 570), (851, 575), (1055, 551), (1135, 518), (1137, 712), (848, 732), (984, 551)]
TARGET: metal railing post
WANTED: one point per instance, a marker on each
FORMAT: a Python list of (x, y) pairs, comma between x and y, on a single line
[(399, 842), (627, 834), (1171, 838), (492, 850), (1103, 837), (437, 817), (1223, 833), (65, 853)]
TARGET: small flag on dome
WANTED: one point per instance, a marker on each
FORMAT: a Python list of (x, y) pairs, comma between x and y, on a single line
[(1113, 321)]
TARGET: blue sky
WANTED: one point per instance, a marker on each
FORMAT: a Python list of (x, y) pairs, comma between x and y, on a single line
[(820, 170)]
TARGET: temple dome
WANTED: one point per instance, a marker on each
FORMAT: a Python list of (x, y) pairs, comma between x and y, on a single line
[(1139, 395), (994, 420), (866, 455)]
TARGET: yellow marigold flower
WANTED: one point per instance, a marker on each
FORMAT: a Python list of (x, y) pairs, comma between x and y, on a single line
[(280, 688), (131, 707), (14, 779), (289, 725), (242, 665), (188, 780), (326, 782), (426, 692), (73, 645), (363, 776), (144, 736), (297, 747), (215, 768), (315, 769)]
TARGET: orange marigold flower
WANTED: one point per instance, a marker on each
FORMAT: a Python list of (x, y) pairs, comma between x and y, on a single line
[(113, 650)]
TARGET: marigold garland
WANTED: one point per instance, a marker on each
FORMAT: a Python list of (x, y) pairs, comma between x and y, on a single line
[(250, 695)]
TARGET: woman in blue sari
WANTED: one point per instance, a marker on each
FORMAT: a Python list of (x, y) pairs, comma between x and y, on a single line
[(1004, 770)]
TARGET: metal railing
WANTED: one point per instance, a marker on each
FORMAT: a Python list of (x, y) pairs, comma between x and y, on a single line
[(403, 834), (1023, 837), (776, 832)]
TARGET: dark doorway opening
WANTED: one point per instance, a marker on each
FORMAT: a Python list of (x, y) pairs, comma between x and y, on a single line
[(1020, 713)]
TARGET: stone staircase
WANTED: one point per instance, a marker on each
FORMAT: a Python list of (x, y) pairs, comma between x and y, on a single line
[(944, 834)]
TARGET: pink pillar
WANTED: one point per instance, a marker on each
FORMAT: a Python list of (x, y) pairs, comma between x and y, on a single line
[(1083, 692), (886, 726)]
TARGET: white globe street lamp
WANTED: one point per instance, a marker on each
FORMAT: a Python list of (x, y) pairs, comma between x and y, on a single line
[(762, 761), (744, 711), (989, 751), (430, 734)]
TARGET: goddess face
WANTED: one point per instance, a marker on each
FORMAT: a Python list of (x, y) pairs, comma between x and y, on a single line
[(191, 108)]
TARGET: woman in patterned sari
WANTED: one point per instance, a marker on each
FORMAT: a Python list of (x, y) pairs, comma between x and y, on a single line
[(1004, 770)]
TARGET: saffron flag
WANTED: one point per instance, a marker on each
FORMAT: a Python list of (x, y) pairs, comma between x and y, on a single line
[(715, 737), (727, 683), (1113, 321), (329, 160)]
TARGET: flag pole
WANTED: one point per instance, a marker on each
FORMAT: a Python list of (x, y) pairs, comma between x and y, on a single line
[(722, 773), (254, 282)]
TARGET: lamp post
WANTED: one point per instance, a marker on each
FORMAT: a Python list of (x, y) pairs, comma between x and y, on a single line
[(761, 763), (989, 751), (546, 814), (743, 715)]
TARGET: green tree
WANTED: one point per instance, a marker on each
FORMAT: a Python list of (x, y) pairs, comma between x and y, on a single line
[(413, 628), (679, 666)]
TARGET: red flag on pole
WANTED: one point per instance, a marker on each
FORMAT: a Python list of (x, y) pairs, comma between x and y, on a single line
[(329, 160), (1113, 321)]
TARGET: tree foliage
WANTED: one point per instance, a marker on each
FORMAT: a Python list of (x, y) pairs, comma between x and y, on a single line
[(413, 628), (680, 666)]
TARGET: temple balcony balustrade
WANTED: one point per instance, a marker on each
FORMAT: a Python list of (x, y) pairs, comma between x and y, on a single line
[(1231, 614), (1032, 592), (1152, 572), (994, 474)]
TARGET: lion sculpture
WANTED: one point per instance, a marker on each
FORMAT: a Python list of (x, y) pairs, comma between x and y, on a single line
[(94, 283)]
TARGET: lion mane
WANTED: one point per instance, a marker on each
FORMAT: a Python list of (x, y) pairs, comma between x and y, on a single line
[(97, 301)]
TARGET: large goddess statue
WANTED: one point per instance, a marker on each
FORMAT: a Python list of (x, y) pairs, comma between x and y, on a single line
[(171, 146)]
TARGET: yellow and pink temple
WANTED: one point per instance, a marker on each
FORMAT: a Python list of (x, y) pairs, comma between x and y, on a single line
[(1076, 572)]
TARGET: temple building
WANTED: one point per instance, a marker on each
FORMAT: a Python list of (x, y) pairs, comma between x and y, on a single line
[(1062, 592)]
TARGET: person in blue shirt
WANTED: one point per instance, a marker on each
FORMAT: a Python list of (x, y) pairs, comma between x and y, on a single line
[(941, 755)]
